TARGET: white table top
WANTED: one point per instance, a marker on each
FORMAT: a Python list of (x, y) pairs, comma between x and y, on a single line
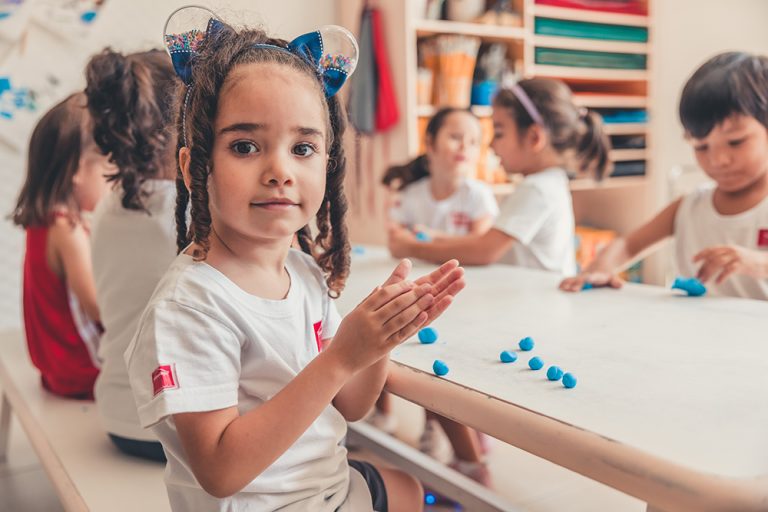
[(679, 378)]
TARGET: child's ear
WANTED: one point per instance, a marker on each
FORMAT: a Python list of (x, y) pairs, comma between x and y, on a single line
[(538, 137), (184, 159)]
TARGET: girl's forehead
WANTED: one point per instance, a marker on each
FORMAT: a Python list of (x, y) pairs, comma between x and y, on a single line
[(270, 89)]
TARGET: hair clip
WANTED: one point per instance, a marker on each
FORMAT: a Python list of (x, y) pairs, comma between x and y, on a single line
[(184, 32), (331, 50)]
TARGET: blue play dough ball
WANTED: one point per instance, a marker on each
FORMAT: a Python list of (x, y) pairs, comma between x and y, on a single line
[(508, 357), (526, 343), (422, 236), (587, 286), (536, 363), (569, 381), (692, 286), (554, 373), (427, 335), (439, 367)]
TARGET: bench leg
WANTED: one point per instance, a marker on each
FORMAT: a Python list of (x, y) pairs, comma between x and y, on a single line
[(5, 426)]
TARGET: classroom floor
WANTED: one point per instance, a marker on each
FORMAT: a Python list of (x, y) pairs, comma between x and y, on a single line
[(531, 483)]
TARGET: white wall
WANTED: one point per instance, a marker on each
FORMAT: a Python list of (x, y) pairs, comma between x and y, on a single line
[(128, 25)]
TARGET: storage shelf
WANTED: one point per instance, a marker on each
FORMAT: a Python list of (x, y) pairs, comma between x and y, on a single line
[(598, 45), (494, 32), (563, 13), (621, 155), (610, 100), (580, 184), (575, 73), (625, 128)]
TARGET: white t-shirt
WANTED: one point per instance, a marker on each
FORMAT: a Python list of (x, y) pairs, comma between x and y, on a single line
[(205, 344), (131, 252), (539, 215), (699, 226), (452, 215)]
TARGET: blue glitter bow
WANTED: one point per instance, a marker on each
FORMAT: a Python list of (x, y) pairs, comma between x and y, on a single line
[(333, 69)]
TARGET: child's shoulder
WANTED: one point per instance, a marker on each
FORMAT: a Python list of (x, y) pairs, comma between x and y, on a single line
[(700, 195), (417, 188), (191, 283)]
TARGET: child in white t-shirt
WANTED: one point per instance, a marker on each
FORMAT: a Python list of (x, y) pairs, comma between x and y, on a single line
[(437, 200), (721, 229), (436, 196), (241, 364), (536, 127)]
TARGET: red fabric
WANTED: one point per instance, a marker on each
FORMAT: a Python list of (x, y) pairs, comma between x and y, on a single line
[(54, 344), (617, 6), (387, 114)]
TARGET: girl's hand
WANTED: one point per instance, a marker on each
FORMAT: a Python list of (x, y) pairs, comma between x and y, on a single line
[(391, 314), (725, 260), (446, 281), (595, 279), (399, 241)]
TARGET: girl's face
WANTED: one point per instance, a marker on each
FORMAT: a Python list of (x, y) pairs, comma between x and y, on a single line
[(734, 153), (512, 149), (455, 149), (269, 153), (90, 182)]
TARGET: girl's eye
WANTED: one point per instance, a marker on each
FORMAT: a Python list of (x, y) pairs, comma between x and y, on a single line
[(700, 149), (737, 142), (304, 149), (497, 135), (243, 147)]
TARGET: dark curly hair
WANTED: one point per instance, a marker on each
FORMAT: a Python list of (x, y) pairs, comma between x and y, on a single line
[(131, 101), (224, 50)]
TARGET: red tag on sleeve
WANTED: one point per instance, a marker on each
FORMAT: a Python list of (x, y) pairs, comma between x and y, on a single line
[(762, 238), (164, 377)]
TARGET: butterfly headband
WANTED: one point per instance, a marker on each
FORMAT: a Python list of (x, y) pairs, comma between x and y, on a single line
[(332, 50)]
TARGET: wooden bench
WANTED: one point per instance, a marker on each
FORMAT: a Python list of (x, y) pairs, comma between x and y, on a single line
[(86, 470)]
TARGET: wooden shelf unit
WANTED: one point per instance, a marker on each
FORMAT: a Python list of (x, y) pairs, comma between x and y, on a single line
[(595, 202)]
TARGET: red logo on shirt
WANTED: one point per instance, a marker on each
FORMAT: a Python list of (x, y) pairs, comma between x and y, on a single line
[(318, 326), (461, 220), (762, 238), (164, 377)]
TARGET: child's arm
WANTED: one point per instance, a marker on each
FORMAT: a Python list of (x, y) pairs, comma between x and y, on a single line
[(359, 394), (73, 250), (725, 260), (469, 250), (481, 225), (622, 250), (227, 450)]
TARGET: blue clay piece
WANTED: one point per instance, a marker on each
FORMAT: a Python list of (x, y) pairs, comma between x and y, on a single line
[(439, 367), (508, 357), (692, 286), (422, 236), (526, 343), (569, 381), (358, 249), (554, 373), (587, 286), (427, 335), (535, 363)]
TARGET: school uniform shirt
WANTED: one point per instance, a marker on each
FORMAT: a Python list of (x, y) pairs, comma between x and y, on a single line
[(452, 215), (699, 226), (205, 344), (539, 215), (131, 251)]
